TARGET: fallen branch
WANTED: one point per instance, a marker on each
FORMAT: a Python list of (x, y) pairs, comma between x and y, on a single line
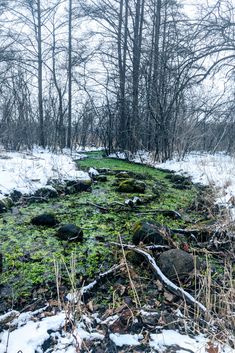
[(167, 213), (158, 247), (90, 286), (170, 285), (74, 297)]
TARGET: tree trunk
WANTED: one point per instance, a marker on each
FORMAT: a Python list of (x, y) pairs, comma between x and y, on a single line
[(69, 137), (40, 93)]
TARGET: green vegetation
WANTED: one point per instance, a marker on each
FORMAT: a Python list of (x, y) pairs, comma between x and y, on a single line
[(30, 252)]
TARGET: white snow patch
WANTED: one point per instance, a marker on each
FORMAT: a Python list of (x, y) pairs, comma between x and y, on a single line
[(217, 170), (198, 344), (30, 337), (125, 339), (29, 171), (93, 172)]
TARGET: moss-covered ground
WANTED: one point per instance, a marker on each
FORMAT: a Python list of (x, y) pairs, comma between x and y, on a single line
[(32, 253)]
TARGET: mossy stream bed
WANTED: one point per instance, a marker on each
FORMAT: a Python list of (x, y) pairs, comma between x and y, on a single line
[(31, 254)]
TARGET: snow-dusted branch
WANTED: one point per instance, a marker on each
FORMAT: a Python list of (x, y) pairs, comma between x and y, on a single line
[(90, 286), (170, 285)]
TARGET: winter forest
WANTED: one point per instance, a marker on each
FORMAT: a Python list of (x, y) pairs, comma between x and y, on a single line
[(127, 75)]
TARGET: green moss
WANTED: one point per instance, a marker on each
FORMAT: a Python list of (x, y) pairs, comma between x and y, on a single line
[(29, 251)]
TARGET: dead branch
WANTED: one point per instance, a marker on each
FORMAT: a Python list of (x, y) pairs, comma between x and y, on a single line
[(170, 285), (90, 286)]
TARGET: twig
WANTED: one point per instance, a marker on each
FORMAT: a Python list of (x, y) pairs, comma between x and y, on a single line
[(74, 297), (170, 285), (90, 286), (158, 247)]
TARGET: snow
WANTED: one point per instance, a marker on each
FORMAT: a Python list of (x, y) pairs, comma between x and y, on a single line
[(29, 171), (184, 343), (217, 171), (30, 337), (125, 339), (28, 334)]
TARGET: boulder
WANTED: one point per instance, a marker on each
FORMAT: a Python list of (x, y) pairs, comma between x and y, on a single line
[(149, 232), (74, 186), (2, 207), (131, 186), (15, 195), (1, 263), (45, 219), (70, 232), (176, 264), (101, 177), (5, 204), (46, 192), (123, 175)]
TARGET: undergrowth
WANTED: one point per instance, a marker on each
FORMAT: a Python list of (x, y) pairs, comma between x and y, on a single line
[(30, 252)]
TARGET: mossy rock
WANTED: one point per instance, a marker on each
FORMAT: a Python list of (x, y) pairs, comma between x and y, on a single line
[(106, 171), (16, 195), (123, 175), (1, 263), (45, 219), (101, 178), (46, 192), (176, 264), (70, 232), (149, 232), (131, 186), (5, 204), (74, 186), (179, 179)]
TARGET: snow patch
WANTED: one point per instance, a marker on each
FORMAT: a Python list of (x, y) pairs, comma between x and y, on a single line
[(125, 339), (27, 172)]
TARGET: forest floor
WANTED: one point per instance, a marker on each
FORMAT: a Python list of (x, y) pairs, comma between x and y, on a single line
[(47, 304)]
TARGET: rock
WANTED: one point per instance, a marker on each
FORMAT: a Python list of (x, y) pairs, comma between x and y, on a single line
[(106, 171), (149, 232), (101, 178), (179, 181), (150, 318), (2, 207), (93, 172), (176, 264), (133, 202), (74, 186), (45, 219), (46, 192), (1, 263), (5, 204), (70, 232), (15, 195), (123, 175), (131, 186)]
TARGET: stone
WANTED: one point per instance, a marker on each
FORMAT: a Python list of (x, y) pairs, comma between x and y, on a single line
[(149, 232), (131, 186), (122, 175), (176, 264), (1, 263), (74, 186), (45, 219), (101, 177), (2, 207), (70, 232), (46, 192), (16, 195), (5, 204)]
